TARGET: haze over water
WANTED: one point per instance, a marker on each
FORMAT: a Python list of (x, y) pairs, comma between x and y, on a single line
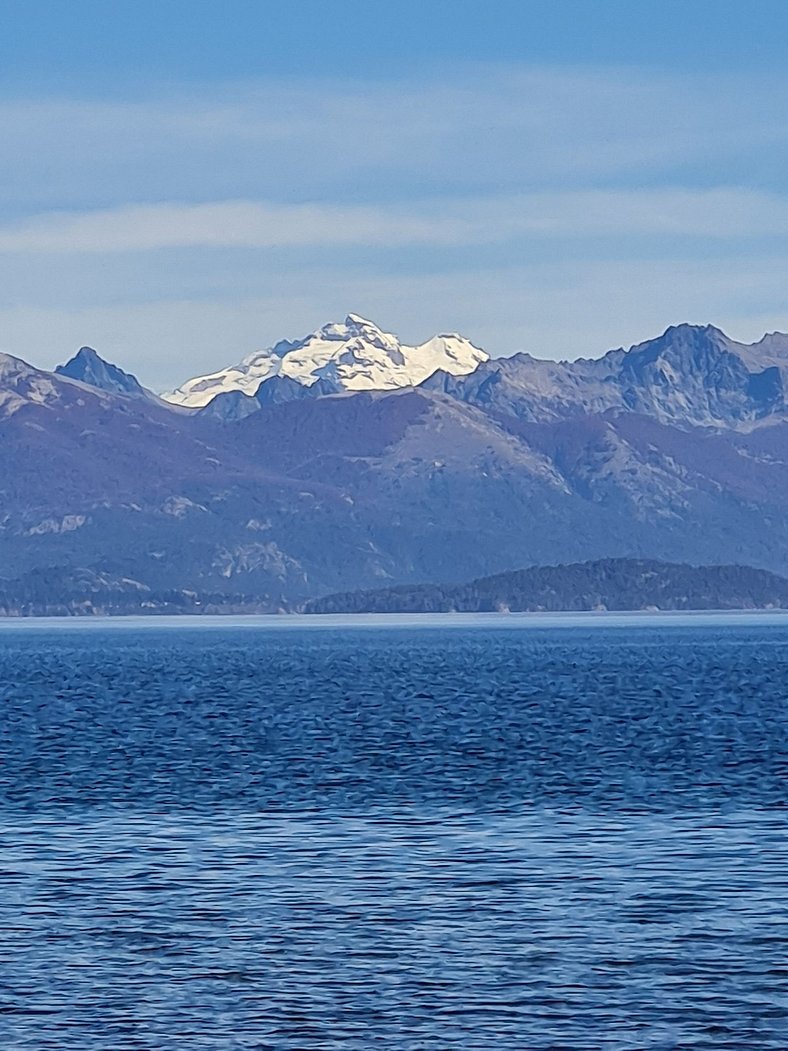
[(501, 834)]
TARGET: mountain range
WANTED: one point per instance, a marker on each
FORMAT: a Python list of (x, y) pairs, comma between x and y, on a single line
[(355, 462)]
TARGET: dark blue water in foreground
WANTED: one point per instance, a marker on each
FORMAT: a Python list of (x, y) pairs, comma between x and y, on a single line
[(476, 839)]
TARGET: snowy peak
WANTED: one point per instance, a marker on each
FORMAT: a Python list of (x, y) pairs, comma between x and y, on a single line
[(353, 354), (358, 328), (88, 367)]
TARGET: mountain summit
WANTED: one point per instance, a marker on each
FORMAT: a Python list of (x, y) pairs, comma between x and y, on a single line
[(351, 355), (88, 367)]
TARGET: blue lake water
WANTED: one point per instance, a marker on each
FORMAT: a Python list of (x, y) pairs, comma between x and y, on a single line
[(504, 833)]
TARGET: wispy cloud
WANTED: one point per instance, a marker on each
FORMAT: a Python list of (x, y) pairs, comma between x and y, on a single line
[(223, 224), (712, 214), (477, 129)]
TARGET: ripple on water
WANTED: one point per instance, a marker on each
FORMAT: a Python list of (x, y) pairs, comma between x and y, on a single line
[(407, 840)]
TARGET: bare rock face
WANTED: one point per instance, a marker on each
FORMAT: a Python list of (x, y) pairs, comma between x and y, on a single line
[(87, 367), (691, 375)]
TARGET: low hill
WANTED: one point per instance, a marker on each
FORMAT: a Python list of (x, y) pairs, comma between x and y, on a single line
[(612, 584), (59, 591)]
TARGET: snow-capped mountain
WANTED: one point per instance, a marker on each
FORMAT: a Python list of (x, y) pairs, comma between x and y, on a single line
[(352, 355)]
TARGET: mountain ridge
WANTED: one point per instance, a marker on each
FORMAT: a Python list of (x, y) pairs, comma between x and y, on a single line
[(689, 375)]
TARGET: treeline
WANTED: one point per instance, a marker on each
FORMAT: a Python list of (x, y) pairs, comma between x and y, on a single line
[(612, 584), (608, 584), (61, 591)]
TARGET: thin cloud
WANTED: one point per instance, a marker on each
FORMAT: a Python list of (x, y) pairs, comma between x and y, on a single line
[(475, 129), (224, 224), (677, 213)]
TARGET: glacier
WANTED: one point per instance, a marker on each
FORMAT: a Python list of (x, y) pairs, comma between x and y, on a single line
[(354, 355)]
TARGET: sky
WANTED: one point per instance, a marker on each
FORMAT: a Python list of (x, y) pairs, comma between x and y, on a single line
[(185, 183)]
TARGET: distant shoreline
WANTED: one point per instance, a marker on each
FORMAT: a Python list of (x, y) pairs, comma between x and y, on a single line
[(510, 621)]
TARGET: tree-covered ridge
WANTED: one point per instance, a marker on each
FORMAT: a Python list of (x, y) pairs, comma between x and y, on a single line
[(612, 584)]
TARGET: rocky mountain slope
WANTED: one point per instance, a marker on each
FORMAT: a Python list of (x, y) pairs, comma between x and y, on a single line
[(87, 367), (690, 375), (608, 584)]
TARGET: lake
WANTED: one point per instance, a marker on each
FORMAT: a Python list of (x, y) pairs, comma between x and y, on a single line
[(519, 833)]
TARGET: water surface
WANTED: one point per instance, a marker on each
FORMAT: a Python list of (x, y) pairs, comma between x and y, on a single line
[(510, 834)]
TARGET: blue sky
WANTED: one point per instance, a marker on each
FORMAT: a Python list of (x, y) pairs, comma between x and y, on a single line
[(184, 183)]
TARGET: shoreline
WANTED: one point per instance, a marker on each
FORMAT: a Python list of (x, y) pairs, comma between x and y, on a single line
[(509, 621)]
